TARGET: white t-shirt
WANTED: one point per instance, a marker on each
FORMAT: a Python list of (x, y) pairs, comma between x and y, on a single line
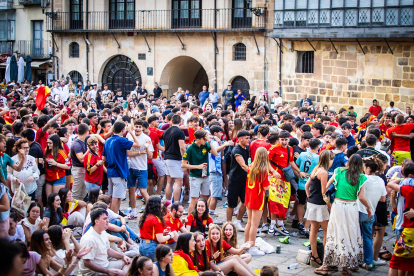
[(374, 190), (277, 101), (393, 170), (105, 93), (19, 235), (92, 94), (99, 252), (214, 97), (64, 93), (186, 116), (32, 227), (389, 109), (111, 216), (140, 162)]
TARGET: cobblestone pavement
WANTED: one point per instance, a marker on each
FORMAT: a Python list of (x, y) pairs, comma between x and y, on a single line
[(288, 251)]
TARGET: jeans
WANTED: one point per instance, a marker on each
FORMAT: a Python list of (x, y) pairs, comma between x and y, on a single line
[(366, 231), (90, 185), (132, 234), (148, 249)]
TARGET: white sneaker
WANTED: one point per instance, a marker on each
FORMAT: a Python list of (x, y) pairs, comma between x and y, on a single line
[(254, 251), (239, 226), (379, 262), (265, 227)]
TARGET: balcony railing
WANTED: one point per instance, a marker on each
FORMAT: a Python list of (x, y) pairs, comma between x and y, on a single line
[(6, 48), (38, 49), (158, 20), (349, 17), (31, 2), (6, 4)]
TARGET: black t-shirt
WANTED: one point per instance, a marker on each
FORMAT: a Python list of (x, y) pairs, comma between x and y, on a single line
[(172, 148), (237, 174), (367, 152), (157, 92), (299, 150), (77, 147), (118, 98), (37, 152)]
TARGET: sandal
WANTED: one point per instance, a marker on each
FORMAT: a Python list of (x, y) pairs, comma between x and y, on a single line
[(314, 261), (332, 268), (322, 270), (346, 272)]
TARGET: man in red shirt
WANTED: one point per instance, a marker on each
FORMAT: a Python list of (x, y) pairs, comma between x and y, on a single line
[(94, 166), (10, 115), (386, 124), (375, 109), (153, 126), (44, 123), (93, 117), (260, 142), (174, 224), (280, 157), (400, 147)]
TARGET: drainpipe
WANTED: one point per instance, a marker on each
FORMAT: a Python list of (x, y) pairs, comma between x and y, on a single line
[(280, 67), (87, 39), (57, 66), (215, 46)]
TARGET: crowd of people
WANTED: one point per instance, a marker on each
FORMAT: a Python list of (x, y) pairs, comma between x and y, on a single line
[(69, 161)]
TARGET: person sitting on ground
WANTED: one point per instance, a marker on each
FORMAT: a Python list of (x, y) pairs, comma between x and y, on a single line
[(199, 219), (174, 224), (162, 267), (152, 228), (33, 221), (269, 270), (16, 231), (93, 196), (141, 266), (74, 210), (97, 259), (54, 213), (230, 236)]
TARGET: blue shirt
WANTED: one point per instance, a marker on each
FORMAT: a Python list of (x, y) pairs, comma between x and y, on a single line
[(203, 96), (116, 156), (306, 161), (5, 161), (4, 190), (339, 161), (239, 99), (228, 96), (351, 140)]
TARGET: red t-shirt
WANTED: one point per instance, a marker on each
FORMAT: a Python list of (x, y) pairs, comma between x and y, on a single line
[(90, 160), (192, 222), (154, 140), (190, 135), (224, 248), (201, 266), (408, 193), (327, 147), (152, 226), (384, 128), (375, 110), (335, 124), (41, 138), (158, 131), (399, 144), (54, 173), (279, 155), (175, 225), (254, 198), (257, 144)]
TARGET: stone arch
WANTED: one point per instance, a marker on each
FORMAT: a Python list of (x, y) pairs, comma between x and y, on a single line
[(185, 72)]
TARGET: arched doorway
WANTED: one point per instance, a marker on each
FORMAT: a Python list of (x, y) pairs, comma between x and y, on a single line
[(185, 72), (121, 72), (241, 83)]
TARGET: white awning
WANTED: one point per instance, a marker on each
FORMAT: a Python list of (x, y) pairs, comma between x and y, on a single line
[(36, 64)]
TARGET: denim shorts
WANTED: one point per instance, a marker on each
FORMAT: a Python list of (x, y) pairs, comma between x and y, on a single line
[(216, 182), (148, 249), (140, 175), (90, 185), (61, 181)]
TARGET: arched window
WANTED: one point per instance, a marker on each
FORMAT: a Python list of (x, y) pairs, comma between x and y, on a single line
[(239, 51), (74, 50), (76, 77)]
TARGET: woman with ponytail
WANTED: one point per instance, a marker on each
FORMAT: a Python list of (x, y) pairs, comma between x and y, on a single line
[(374, 192), (140, 266)]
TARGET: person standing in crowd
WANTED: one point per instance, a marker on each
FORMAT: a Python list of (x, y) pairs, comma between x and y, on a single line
[(228, 95), (344, 234), (400, 147), (78, 152), (115, 156), (305, 99), (174, 150), (195, 159), (138, 174), (375, 109), (203, 95), (157, 91)]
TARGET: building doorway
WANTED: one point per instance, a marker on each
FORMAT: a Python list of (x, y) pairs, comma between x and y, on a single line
[(241, 83), (121, 72), (185, 72)]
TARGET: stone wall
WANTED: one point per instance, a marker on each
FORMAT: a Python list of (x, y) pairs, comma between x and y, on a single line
[(351, 77)]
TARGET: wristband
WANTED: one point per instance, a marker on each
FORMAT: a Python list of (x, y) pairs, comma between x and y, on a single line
[(78, 258)]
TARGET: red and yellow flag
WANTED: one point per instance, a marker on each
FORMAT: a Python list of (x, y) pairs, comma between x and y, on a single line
[(41, 96)]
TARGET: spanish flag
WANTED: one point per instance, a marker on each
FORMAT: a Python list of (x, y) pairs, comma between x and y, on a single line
[(42, 93)]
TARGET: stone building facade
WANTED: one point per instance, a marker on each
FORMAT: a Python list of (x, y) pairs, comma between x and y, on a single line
[(350, 77)]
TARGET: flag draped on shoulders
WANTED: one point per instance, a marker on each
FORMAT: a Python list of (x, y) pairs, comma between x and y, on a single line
[(41, 95)]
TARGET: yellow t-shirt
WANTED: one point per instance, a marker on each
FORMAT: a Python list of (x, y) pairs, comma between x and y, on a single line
[(180, 267)]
